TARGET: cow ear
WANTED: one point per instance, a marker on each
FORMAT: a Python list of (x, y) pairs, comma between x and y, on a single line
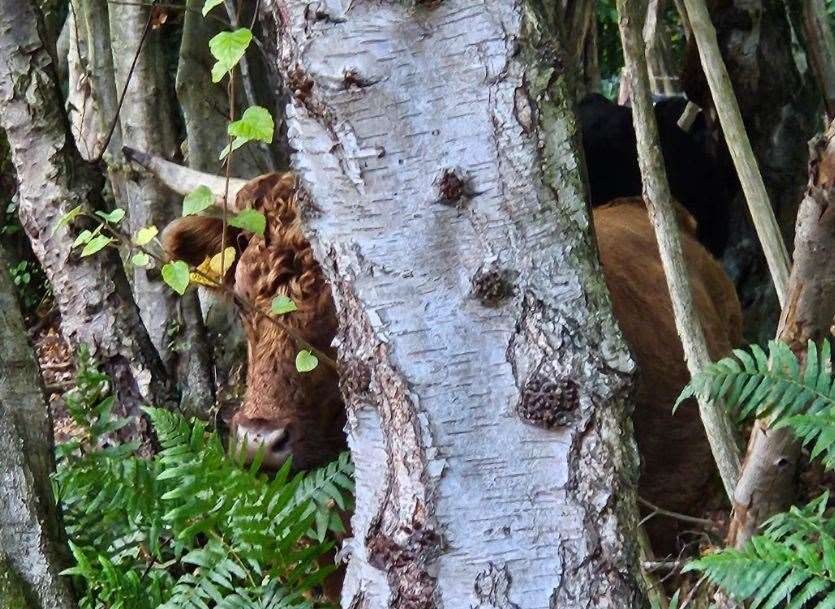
[(195, 238)]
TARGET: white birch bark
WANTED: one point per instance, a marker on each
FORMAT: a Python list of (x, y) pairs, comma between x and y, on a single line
[(485, 379), (92, 293), (147, 122)]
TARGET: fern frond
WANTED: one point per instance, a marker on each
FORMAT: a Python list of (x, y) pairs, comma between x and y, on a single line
[(760, 384), (792, 562)]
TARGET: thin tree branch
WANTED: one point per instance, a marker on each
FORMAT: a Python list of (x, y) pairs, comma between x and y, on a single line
[(739, 146), (659, 203)]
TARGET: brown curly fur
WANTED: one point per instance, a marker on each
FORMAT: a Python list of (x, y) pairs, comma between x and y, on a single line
[(676, 458)]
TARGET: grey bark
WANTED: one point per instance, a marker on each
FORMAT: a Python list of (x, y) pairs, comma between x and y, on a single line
[(80, 107), (820, 49), (92, 293), (30, 555), (659, 201), (486, 382), (147, 122)]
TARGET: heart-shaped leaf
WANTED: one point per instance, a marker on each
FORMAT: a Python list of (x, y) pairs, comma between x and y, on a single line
[(95, 244), (228, 48), (83, 237), (145, 235), (283, 305), (176, 275), (306, 361), (209, 5), (250, 220), (196, 201), (66, 219), (114, 217), (209, 273), (256, 123), (141, 259)]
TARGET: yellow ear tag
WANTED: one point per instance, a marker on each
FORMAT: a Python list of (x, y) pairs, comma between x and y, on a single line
[(209, 272)]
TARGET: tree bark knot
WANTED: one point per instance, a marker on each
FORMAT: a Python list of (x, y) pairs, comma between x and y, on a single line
[(401, 554), (547, 402), (492, 285), (492, 588)]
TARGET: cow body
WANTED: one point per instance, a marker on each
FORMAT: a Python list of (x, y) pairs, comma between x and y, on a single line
[(699, 179), (302, 414)]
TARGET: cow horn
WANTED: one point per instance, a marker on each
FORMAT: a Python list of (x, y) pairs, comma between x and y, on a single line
[(184, 180)]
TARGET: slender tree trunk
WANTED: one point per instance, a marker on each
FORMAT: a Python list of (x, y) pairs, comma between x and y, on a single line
[(485, 379), (718, 427), (147, 122), (92, 293), (30, 554)]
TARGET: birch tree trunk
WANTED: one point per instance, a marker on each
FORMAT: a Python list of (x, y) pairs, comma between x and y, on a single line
[(147, 123), (30, 558), (486, 382), (92, 293)]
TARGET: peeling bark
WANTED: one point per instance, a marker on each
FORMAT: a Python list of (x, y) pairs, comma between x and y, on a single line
[(30, 558), (486, 382), (92, 293)]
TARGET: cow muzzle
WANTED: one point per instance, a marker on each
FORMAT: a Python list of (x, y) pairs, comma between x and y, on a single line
[(253, 435)]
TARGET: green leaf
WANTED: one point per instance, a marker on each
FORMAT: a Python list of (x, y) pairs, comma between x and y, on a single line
[(283, 305), (114, 217), (145, 235), (83, 237), (66, 219), (175, 274), (141, 259), (228, 48), (255, 124), (96, 244), (306, 361), (196, 201), (209, 5), (250, 220)]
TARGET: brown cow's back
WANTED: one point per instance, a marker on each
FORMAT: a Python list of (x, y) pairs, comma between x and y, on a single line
[(676, 462)]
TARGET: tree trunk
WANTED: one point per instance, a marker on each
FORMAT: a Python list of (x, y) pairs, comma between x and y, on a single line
[(30, 558), (486, 382), (92, 293), (147, 122), (766, 486)]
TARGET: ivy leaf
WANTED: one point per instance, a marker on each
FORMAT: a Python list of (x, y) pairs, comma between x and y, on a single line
[(83, 237), (306, 361), (196, 201), (283, 305), (141, 259), (210, 272), (236, 143), (209, 5), (95, 244), (176, 275), (114, 217), (228, 48), (66, 219), (145, 235), (249, 220)]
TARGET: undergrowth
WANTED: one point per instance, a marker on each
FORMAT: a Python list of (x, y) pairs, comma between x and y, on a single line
[(191, 527)]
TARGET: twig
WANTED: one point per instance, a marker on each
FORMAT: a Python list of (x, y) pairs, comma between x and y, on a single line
[(718, 427), (683, 517)]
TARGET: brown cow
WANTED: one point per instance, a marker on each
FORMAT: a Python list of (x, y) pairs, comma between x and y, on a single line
[(302, 414)]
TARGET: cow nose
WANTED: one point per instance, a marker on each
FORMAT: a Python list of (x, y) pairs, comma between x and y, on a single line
[(254, 435)]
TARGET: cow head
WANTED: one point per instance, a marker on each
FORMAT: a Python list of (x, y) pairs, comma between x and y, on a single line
[(288, 412)]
